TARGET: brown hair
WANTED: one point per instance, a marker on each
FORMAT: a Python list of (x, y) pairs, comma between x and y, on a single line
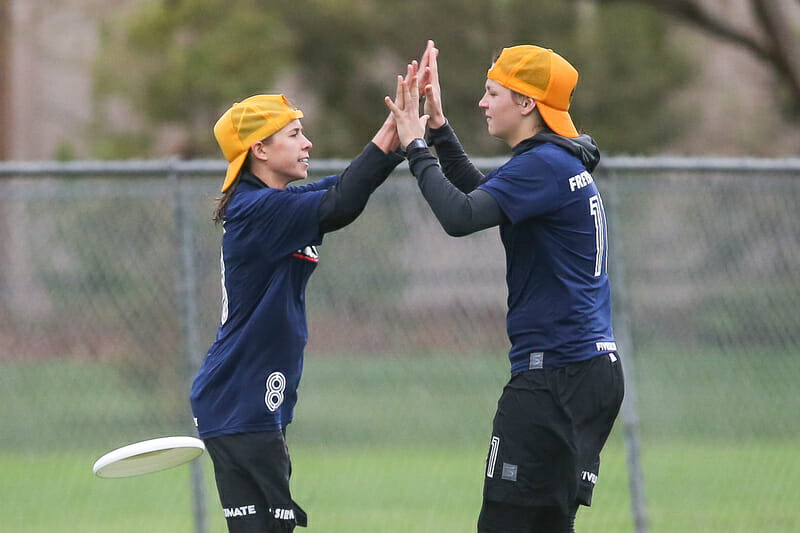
[(222, 202)]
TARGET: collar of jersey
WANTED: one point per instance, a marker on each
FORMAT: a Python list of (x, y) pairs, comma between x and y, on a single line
[(531, 142), (251, 179)]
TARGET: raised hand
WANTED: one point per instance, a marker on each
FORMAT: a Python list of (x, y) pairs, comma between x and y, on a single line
[(386, 137), (405, 107), (429, 82)]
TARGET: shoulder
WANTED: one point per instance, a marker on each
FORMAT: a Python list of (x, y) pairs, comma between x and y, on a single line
[(250, 200), (535, 163), (548, 159), (246, 198)]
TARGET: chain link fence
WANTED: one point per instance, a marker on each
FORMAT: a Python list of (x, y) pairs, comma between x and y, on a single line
[(109, 297)]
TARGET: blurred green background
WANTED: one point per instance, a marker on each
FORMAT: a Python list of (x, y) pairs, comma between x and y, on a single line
[(407, 354), (118, 79)]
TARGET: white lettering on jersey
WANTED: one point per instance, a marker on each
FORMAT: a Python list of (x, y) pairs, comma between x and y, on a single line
[(589, 476), (309, 253), (276, 385), (224, 314), (606, 346), (579, 181)]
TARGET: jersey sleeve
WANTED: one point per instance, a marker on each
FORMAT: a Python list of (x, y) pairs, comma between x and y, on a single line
[(320, 185), (524, 187), (280, 222)]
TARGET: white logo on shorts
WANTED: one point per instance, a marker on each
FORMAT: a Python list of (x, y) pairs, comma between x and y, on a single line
[(244, 510), (283, 514), (606, 346)]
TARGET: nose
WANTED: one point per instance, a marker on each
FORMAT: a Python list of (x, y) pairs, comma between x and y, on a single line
[(307, 146), (482, 102)]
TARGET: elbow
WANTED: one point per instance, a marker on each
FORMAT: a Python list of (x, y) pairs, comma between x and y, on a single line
[(454, 229), (461, 233), (347, 218), (339, 221)]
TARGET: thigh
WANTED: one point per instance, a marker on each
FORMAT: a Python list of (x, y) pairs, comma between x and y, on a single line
[(252, 475), (505, 518), (532, 459), (594, 395), (499, 517)]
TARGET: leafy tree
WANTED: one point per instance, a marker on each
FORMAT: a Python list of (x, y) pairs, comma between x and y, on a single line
[(769, 32), (180, 63), (183, 62)]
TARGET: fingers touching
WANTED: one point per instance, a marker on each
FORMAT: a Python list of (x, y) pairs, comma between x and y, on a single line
[(422, 77)]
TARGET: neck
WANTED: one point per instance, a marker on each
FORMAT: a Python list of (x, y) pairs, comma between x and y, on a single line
[(264, 174), (524, 132)]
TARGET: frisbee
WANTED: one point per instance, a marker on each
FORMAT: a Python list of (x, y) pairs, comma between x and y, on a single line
[(148, 456)]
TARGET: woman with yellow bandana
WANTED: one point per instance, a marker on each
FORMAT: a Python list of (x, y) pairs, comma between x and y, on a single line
[(244, 394), (566, 383)]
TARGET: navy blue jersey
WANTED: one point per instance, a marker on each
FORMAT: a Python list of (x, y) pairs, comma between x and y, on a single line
[(249, 378), (559, 303)]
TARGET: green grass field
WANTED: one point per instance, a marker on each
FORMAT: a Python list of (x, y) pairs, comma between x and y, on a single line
[(385, 445), (690, 488)]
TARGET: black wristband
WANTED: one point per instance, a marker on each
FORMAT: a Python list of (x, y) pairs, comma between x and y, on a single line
[(419, 142)]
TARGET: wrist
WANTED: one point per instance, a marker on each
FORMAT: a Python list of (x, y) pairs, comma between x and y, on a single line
[(436, 122), (385, 140), (415, 144)]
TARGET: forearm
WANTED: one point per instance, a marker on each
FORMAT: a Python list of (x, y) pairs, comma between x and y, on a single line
[(454, 160), (319, 185), (345, 200), (458, 212)]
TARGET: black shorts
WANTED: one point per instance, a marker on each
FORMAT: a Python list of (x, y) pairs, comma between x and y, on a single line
[(252, 472), (548, 431)]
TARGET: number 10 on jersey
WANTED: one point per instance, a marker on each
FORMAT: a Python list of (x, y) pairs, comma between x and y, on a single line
[(599, 216)]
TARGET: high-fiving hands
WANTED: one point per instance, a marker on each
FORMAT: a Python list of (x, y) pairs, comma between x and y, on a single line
[(405, 107), (387, 138), (429, 83)]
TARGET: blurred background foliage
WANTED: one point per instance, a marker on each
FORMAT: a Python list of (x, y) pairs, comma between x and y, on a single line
[(180, 63)]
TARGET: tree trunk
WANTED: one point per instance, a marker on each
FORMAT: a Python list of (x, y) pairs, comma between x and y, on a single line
[(773, 40), (5, 79)]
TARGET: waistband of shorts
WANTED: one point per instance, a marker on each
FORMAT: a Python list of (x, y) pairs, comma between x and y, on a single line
[(539, 361)]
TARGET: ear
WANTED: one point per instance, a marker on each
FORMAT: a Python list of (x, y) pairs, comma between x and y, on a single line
[(527, 106), (258, 151)]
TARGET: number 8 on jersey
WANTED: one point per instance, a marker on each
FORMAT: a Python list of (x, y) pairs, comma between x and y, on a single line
[(276, 384)]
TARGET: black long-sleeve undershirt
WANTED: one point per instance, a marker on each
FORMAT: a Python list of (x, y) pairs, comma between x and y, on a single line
[(453, 159), (452, 191), (460, 208), (345, 200)]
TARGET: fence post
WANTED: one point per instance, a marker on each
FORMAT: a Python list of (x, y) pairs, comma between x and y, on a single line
[(622, 332), (187, 302)]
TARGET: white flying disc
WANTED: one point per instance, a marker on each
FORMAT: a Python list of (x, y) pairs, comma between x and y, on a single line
[(148, 456)]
